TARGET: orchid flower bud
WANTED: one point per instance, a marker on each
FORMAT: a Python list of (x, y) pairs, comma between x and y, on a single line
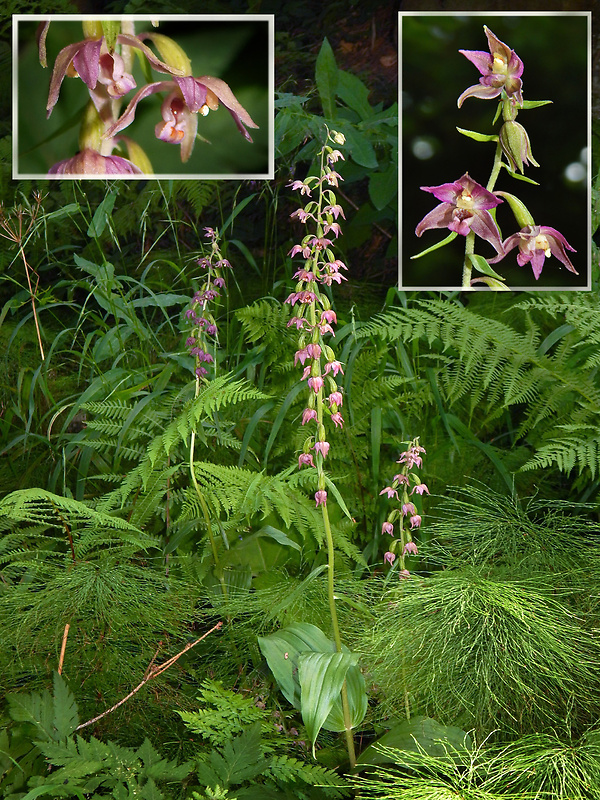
[(516, 146)]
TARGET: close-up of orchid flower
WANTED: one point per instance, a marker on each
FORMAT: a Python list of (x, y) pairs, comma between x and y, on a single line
[(187, 97), (536, 243), (97, 81), (501, 70), (518, 108), (464, 208)]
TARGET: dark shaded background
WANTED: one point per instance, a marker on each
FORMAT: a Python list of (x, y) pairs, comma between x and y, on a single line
[(554, 50)]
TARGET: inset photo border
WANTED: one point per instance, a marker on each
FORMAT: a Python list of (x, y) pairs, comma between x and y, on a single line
[(495, 183), (143, 96)]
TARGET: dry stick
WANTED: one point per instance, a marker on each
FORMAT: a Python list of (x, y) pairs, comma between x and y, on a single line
[(150, 673), (63, 647)]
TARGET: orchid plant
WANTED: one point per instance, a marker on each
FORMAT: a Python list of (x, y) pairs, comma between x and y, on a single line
[(468, 208), (103, 60)]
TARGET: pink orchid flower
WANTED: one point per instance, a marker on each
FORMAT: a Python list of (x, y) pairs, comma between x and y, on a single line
[(536, 243), (464, 208), (187, 97), (90, 162), (92, 62), (501, 69)]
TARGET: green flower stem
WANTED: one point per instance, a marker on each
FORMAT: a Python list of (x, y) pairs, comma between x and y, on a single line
[(205, 512), (470, 243), (467, 268), (336, 633), (496, 168)]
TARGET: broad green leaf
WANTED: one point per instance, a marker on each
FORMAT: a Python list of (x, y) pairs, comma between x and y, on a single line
[(353, 92), (358, 145), (481, 265), (279, 536), (357, 701), (282, 651), (101, 215), (326, 78), (383, 186), (479, 137), (417, 734), (445, 241), (321, 678)]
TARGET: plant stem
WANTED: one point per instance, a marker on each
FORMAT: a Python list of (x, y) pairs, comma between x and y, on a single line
[(205, 511), (467, 267), (336, 633)]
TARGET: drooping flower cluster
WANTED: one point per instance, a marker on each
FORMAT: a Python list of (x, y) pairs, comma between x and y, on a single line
[(406, 516), (103, 60), (204, 331), (313, 316), (466, 205)]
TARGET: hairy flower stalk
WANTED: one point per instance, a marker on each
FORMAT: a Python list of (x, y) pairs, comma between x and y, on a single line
[(200, 342), (313, 317)]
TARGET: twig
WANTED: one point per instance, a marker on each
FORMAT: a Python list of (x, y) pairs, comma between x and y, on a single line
[(151, 672), (63, 647)]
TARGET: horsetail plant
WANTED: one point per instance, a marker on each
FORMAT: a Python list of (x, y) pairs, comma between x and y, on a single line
[(321, 677)]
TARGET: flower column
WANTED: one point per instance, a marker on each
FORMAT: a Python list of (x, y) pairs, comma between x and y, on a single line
[(314, 318)]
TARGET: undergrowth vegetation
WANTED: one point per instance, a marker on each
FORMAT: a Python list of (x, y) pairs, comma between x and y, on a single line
[(206, 592)]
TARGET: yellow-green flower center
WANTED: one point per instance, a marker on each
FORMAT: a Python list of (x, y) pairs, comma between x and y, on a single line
[(465, 200), (499, 64), (541, 243)]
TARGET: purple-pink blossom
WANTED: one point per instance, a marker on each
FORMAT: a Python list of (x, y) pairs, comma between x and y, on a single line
[(316, 383), (387, 527), (308, 414), (410, 548), (390, 492), (464, 208), (321, 498), (420, 488), (536, 243), (322, 447), (305, 458), (389, 558), (501, 70)]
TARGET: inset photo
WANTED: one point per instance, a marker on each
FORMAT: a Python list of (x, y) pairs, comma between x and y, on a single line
[(496, 150), (143, 96)]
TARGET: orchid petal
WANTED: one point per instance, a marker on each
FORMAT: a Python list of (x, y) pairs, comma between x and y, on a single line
[(63, 59), (481, 59), (135, 41), (128, 115), (484, 226), (231, 103)]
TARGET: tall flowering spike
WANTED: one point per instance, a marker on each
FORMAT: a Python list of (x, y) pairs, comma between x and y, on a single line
[(407, 516), (536, 243), (501, 70), (204, 328), (313, 316), (464, 208)]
